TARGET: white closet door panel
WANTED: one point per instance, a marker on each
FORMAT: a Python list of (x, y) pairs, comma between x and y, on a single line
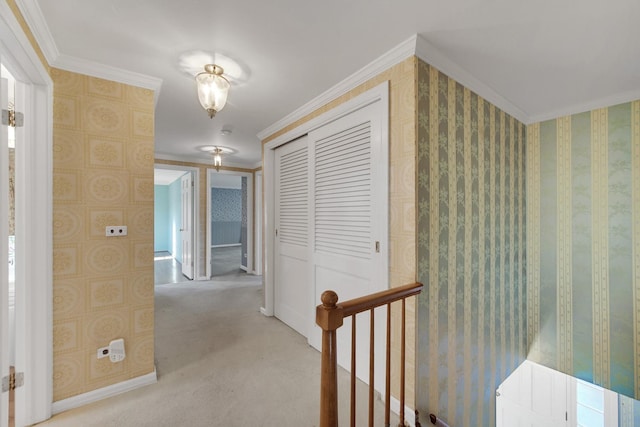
[(349, 214), (291, 287)]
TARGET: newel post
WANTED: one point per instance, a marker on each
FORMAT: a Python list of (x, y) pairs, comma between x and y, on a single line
[(329, 318)]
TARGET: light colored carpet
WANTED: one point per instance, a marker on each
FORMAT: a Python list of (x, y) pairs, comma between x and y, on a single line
[(220, 362)]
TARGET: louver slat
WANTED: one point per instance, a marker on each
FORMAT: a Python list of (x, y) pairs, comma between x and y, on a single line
[(293, 203), (342, 182)]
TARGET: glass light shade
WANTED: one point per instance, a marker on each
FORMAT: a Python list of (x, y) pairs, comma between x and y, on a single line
[(217, 160), (212, 89)]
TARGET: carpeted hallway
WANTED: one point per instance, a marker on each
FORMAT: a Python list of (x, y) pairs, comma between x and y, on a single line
[(220, 362)]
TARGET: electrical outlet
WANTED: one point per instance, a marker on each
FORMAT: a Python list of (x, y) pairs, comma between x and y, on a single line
[(103, 352), (116, 230)]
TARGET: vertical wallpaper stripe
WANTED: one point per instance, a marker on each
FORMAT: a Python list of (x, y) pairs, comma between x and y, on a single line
[(581, 247), (565, 335), (470, 250), (599, 156), (533, 240), (502, 355), (635, 214), (467, 255), (451, 256), (481, 256), (492, 248), (434, 233), (511, 248)]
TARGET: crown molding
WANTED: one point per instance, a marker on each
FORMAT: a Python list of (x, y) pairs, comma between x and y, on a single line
[(434, 57), (396, 55), (34, 18), (36, 22), (107, 72), (607, 101), (202, 160)]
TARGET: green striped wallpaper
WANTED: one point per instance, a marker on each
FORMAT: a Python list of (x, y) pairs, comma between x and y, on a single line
[(583, 254), (472, 326)]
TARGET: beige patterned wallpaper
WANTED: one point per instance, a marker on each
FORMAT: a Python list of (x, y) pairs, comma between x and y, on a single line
[(402, 193), (103, 143)]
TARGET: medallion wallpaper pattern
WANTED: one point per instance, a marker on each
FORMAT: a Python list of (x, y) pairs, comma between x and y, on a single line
[(471, 250), (583, 174), (103, 143)]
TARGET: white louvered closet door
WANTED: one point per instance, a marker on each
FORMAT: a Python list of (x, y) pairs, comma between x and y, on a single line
[(349, 219), (291, 287)]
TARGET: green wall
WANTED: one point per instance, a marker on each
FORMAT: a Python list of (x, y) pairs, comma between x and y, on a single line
[(471, 250), (583, 176), (161, 218)]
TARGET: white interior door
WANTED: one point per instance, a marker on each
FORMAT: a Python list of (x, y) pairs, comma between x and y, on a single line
[(291, 285), (349, 200), (187, 224), (5, 353), (533, 396)]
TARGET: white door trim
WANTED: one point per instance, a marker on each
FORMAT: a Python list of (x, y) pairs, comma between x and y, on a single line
[(196, 211), (257, 192), (186, 225), (34, 304), (250, 197), (378, 93)]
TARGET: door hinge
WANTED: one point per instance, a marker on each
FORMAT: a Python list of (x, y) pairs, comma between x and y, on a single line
[(12, 118), (377, 246), (12, 381), (276, 232)]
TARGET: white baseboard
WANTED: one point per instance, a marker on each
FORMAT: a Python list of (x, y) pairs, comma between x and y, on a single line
[(242, 267), (228, 245), (409, 414), (103, 393), (265, 312)]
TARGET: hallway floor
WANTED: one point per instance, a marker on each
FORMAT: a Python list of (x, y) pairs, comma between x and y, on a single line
[(220, 362)]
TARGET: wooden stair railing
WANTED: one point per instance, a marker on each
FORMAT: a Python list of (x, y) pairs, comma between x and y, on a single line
[(330, 316)]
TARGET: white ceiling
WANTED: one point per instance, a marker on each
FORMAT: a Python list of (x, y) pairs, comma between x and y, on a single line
[(545, 57)]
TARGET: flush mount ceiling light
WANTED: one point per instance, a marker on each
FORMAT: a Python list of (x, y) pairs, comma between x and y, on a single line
[(217, 158), (213, 89), (217, 152)]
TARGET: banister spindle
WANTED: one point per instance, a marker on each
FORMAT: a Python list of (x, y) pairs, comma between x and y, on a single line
[(329, 318), (387, 393), (402, 363), (353, 371), (371, 364)]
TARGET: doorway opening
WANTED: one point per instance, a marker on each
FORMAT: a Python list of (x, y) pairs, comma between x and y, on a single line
[(175, 224), (230, 216)]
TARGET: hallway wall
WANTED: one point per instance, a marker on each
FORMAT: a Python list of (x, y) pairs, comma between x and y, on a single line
[(471, 250), (103, 175), (584, 254)]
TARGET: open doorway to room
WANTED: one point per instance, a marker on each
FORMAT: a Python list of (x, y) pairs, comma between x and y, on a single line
[(175, 225), (230, 216)]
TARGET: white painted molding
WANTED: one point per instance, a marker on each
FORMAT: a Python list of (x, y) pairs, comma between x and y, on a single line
[(35, 20), (32, 14), (434, 57), (95, 69), (608, 101), (265, 312), (205, 161), (396, 55), (409, 414), (104, 393)]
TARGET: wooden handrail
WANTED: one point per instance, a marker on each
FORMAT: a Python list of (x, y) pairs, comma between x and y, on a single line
[(330, 316)]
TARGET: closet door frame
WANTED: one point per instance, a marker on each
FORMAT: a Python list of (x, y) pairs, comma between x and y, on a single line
[(380, 94)]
